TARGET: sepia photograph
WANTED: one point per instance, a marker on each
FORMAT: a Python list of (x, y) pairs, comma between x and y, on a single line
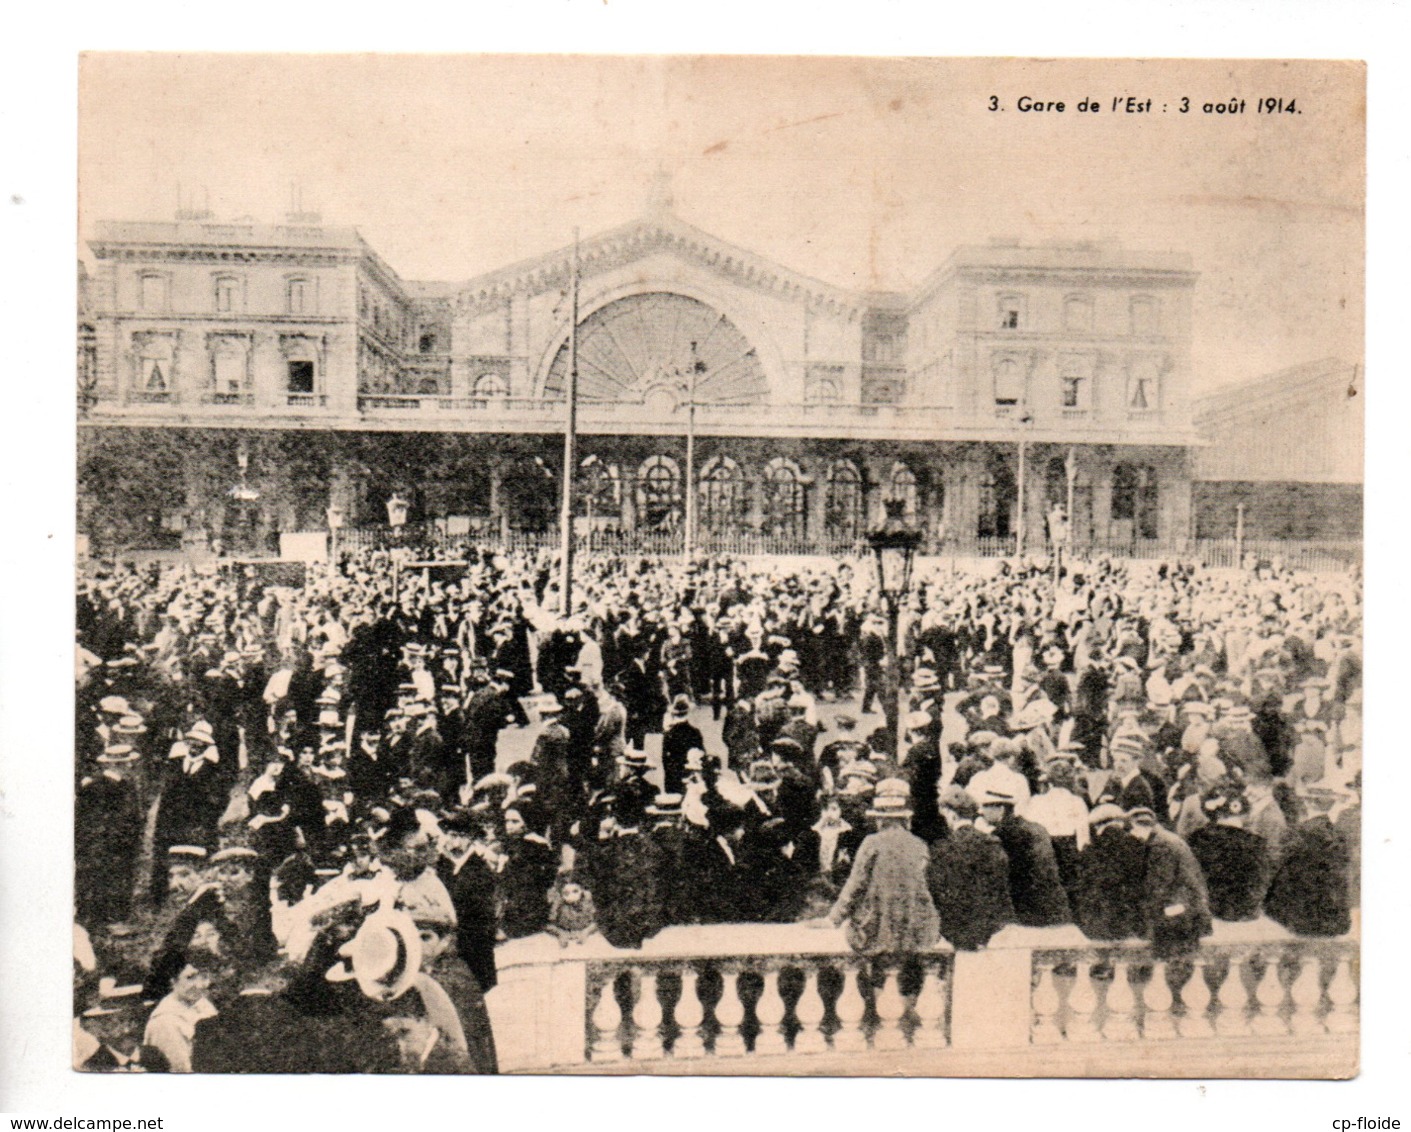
[(718, 565)]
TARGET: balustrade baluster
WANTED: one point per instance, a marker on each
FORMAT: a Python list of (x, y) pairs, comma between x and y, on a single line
[(1195, 996), (646, 1014), (769, 1013), (730, 1013), (1082, 1021), (689, 1016), (810, 1012), (1047, 1003), (850, 1010), (607, 1025), (1227, 997), (1269, 997), (1306, 993), (890, 1007), (1120, 1024), (931, 1010), (1342, 993), (1156, 1005)]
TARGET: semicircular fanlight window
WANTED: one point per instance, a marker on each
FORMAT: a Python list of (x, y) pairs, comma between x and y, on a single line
[(643, 342)]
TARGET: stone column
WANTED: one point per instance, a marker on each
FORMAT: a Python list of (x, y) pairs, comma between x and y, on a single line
[(191, 369), (1177, 523), (816, 468), (1101, 476)]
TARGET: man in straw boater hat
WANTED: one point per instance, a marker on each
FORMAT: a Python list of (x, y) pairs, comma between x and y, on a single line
[(192, 801), (886, 902), (1035, 885), (108, 836), (968, 875)]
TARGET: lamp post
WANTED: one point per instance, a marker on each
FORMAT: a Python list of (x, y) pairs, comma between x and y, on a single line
[(335, 522), (698, 367), (894, 543)]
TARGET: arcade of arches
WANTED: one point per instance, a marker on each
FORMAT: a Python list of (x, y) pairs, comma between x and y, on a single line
[(816, 494)]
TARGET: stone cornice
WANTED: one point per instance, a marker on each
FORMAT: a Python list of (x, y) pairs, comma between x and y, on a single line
[(661, 233), (215, 254)]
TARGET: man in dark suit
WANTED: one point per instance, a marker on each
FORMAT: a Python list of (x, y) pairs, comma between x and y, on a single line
[(465, 870), (968, 876), (1034, 882), (1175, 903), (1311, 894), (486, 716), (192, 802), (717, 879), (556, 791), (370, 774), (680, 738), (628, 884), (922, 770), (108, 838), (1110, 870), (643, 698)]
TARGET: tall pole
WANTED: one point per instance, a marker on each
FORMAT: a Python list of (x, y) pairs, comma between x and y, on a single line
[(1023, 454), (1239, 536), (1072, 470), (569, 457), (891, 704), (690, 538)]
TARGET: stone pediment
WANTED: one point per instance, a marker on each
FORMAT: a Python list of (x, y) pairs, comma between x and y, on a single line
[(658, 233)]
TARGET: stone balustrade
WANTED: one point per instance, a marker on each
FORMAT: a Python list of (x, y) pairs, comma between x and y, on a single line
[(757, 998), (1283, 989), (762, 1005)]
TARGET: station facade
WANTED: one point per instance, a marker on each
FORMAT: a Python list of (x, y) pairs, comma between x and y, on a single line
[(237, 381)]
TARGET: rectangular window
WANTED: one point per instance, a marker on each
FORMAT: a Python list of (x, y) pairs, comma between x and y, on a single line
[(230, 371), (1009, 319), (226, 291), (301, 377), (153, 293), (1145, 319), (1072, 392), (299, 296)]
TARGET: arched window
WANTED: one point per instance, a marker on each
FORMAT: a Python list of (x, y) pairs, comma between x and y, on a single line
[(659, 494), (1009, 381), (489, 385), (155, 357), (1136, 498), (844, 512), (599, 490), (720, 504), (997, 496), (1144, 384), (823, 389), (784, 499), (229, 367), (228, 291), (901, 484)]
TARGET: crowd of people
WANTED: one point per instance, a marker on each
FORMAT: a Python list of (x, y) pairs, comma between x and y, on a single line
[(303, 827)]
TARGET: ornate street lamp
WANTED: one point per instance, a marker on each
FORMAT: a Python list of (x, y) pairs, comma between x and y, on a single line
[(894, 543)]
